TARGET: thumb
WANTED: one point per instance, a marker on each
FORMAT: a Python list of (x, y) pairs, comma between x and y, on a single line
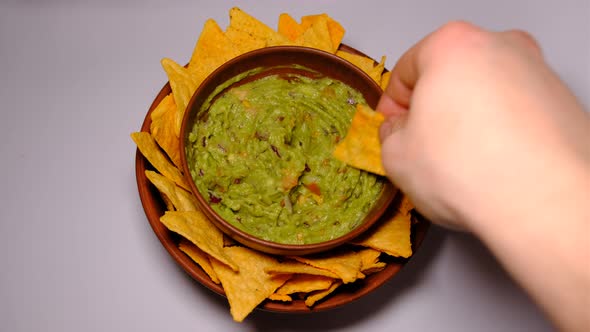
[(391, 137)]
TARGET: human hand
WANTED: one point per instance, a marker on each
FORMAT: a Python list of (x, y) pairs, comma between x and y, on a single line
[(475, 121), (483, 136)]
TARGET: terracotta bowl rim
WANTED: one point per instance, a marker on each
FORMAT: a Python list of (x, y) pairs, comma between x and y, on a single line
[(249, 61)]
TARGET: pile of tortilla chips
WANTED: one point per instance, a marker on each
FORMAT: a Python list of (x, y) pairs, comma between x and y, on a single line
[(249, 277)]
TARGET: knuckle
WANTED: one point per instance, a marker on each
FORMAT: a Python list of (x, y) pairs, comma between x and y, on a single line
[(526, 39), (457, 40), (460, 30)]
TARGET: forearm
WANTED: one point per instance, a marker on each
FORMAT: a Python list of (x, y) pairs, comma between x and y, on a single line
[(543, 241)]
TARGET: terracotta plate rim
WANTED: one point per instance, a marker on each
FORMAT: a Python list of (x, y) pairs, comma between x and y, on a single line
[(154, 207)]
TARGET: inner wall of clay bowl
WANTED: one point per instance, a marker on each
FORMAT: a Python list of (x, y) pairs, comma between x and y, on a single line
[(275, 60)]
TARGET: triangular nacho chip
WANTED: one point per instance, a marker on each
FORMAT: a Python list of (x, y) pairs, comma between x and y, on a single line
[(195, 227), (314, 297), (377, 71), (163, 128), (294, 267), (346, 265), (213, 48), (366, 64), (289, 28), (199, 257), (246, 289), (370, 261), (280, 297), (167, 202), (391, 237), (317, 35), (304, 283), (150, 150), (335, 30), (183, 85), (248, 33), (361, 147), (405, 206), (243, 41), (180, 198)]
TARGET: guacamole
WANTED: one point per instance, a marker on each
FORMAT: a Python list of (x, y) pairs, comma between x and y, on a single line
[(262, 155)]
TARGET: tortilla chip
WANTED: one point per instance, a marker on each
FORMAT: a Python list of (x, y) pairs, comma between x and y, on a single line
[(213, 48), (346, 264), (391, 237), (195, 227), (334, 28), (317, 35), (183, 85), (280, 297), (150, 150), (167, 202), (181, 199), (366, 64), (361, 147), (377, 71), (377, 267), (314, 297), (228, 241), (370, 261), (385, 80), (294, 267), (405, 206), (200, 257), (289, 28), (246, 289), (243, 41), (368, 257), (163, 129), (304, 283), (248, 33)]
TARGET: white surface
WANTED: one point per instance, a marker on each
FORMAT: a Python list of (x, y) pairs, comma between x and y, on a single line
[(76, 251)]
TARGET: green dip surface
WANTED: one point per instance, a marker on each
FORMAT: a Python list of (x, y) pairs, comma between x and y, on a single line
[(262, 156)]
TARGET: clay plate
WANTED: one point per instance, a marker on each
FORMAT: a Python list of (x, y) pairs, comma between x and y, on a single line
[(154, 208)]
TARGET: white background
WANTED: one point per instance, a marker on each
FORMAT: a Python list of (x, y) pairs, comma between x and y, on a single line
[(76, 250)]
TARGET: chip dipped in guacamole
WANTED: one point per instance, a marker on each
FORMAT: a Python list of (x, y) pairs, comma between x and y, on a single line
[(262, 156)]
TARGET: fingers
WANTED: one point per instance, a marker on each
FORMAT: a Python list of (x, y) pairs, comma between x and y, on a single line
[(388, 107), (391, 125), (439, 46), (393, 148), (401, 84), (413, 62), (395, 101), (404, 75), (395, 116), (435, 49), (525, 39)]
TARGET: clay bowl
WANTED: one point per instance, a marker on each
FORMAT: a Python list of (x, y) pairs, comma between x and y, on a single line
[(278, 61)]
